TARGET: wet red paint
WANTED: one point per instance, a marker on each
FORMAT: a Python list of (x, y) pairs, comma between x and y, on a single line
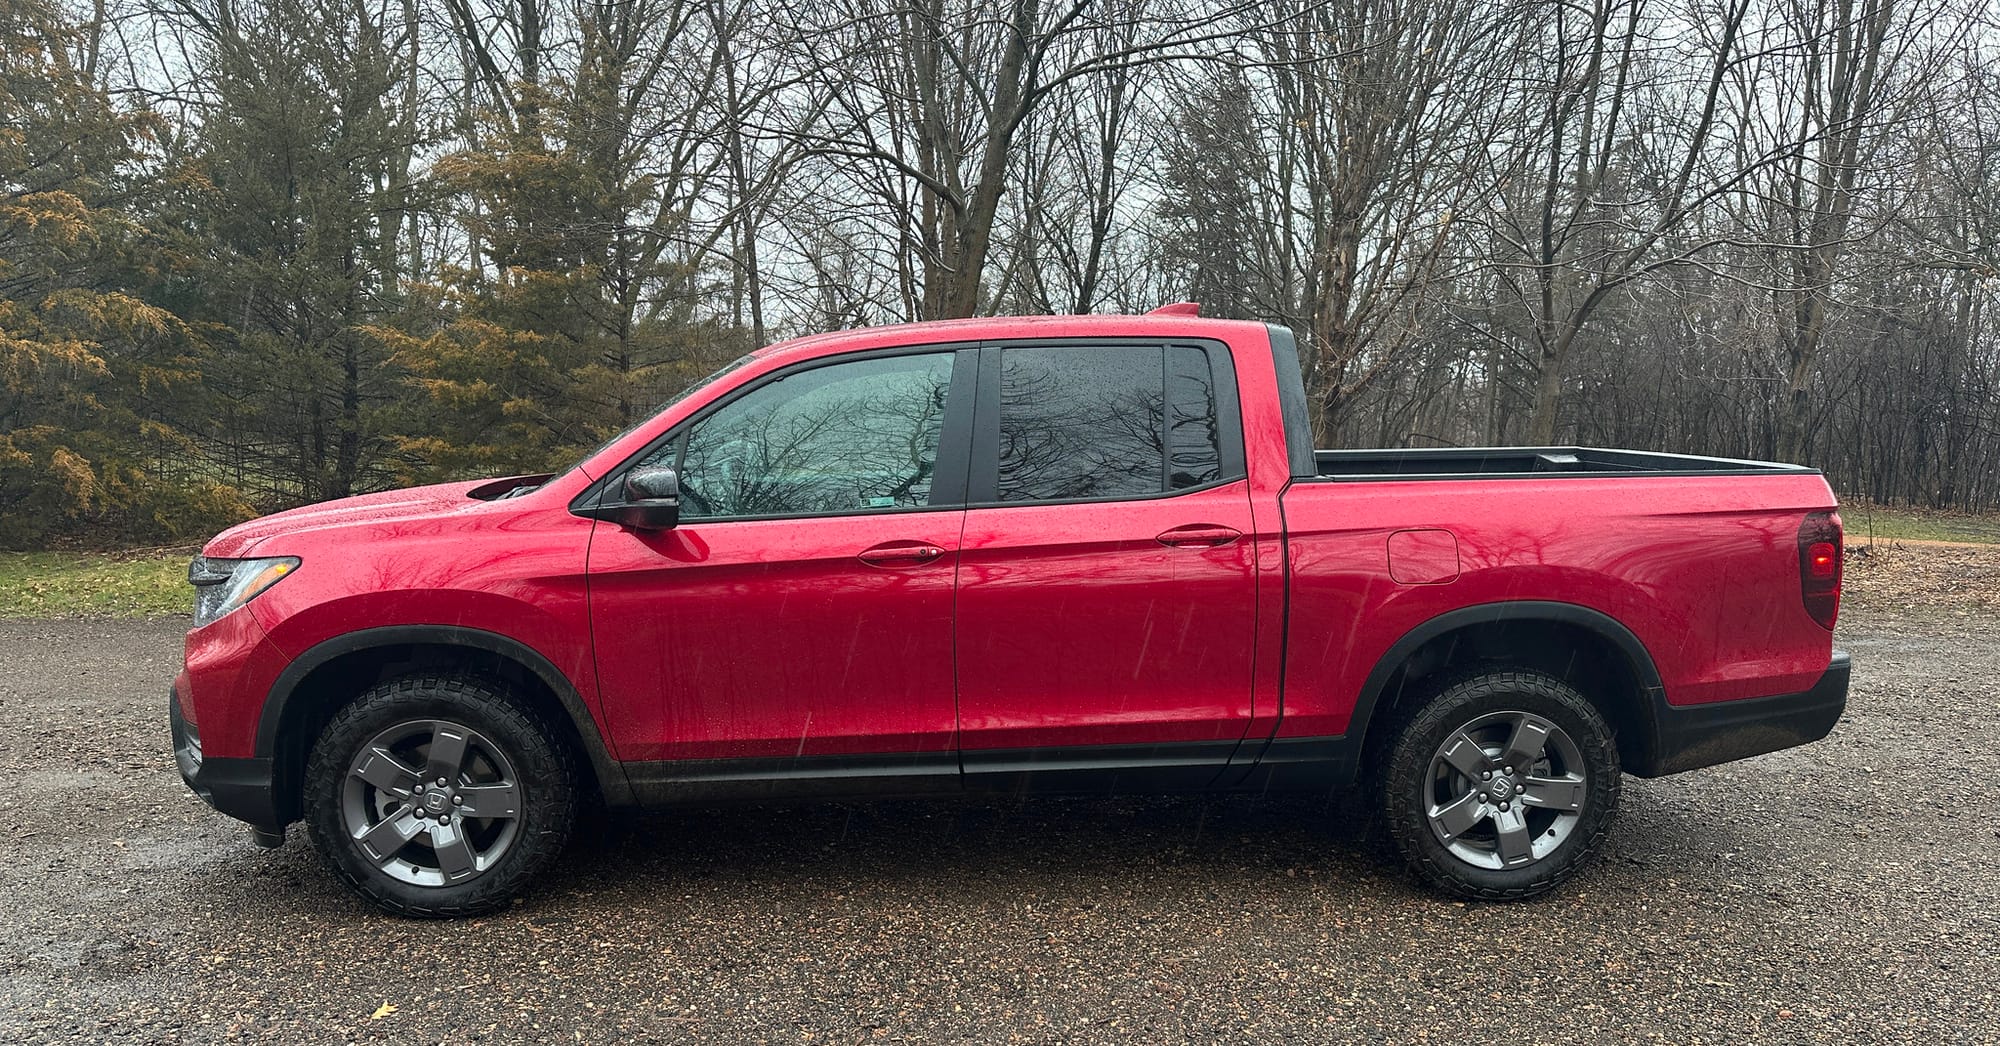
[(1119, 622)]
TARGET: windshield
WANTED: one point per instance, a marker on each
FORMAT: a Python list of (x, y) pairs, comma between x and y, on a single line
[(668, 402)]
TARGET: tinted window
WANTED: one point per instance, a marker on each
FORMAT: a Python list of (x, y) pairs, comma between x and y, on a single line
[(1194, 434), (850, 437), (1081, 423)]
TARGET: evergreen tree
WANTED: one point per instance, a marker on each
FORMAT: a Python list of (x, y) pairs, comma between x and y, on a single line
[(91, 375), (292, 220), (578, 314), (1208, 210)]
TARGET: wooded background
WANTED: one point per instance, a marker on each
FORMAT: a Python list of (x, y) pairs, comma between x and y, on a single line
[(260, 252)]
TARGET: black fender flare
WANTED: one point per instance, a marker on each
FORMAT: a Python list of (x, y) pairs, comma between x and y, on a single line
[(608, 771), (1596, 622)]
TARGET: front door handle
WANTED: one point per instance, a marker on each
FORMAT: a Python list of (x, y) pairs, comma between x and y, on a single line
[(899, 553), (1199, 535)]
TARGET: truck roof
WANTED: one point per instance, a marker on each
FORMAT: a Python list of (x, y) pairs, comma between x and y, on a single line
[(994, 328)]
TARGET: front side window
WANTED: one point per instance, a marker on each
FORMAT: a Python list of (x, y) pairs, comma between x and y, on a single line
[(1098, 422), (851, 437)]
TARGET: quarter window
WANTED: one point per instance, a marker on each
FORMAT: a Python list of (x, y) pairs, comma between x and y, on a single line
[(847, 438), (1194, 433)]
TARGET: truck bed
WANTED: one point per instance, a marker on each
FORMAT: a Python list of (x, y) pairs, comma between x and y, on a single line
[(1503, 462)]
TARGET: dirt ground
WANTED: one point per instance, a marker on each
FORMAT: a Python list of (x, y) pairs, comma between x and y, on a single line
[(1842, 892)]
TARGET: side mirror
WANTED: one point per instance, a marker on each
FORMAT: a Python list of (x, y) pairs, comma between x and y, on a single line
[(652, 500), (654, 484)]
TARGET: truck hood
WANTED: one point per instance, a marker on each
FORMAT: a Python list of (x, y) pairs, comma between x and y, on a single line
[(390, 505)]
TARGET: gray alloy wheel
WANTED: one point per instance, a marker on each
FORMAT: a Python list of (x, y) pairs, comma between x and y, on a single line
[(431, 802), (1506, 790), (1496, 782), (437, 795)]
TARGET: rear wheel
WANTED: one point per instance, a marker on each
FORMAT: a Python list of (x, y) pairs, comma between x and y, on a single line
[(438, 796), (1500, 785)]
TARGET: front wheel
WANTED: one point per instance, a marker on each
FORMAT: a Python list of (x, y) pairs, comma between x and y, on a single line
[(1500, 785), (439, 796)]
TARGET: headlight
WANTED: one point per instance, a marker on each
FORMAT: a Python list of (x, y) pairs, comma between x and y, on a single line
[(222, 585)]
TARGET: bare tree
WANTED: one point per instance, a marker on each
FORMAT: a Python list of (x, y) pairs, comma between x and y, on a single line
[(1618, 160), (1390, 109), (935, 94), (1856, 75)]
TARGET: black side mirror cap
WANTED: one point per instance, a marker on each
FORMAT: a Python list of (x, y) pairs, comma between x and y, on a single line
[(653, 484), (651, 500)]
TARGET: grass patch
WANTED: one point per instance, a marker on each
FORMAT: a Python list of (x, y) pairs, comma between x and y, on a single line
[(1896, 522), (93, 584)]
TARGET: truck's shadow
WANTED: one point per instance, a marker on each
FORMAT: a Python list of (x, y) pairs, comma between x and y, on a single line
[(941, 842), (970, 844), (978, 851)]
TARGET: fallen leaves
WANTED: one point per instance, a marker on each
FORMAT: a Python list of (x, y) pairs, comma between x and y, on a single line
[(1901, 577)]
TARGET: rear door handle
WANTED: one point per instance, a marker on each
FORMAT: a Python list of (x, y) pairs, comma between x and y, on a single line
[(1199, 535), (899, 553)]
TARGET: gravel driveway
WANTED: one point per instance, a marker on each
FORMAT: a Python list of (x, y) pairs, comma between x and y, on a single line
[(1847, 891)]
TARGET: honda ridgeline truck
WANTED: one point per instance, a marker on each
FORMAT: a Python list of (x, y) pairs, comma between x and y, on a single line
[(1060, 554)]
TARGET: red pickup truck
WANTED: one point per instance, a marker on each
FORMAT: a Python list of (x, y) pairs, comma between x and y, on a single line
[(1059, 554)]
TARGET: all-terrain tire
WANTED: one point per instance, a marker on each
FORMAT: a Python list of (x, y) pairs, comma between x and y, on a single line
[(1415, 781), (537, 816)]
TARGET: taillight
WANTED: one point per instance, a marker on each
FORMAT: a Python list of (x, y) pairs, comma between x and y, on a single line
[(1820, 556)]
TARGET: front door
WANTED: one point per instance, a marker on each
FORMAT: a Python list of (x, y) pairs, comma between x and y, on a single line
[(1107, 592), (797, 622)]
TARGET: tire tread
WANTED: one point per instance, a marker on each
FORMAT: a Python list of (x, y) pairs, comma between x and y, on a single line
[(489, 698), (1399, 757)]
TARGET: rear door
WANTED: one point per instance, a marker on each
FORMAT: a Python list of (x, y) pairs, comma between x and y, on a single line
[(796, 624), (1106, 585)]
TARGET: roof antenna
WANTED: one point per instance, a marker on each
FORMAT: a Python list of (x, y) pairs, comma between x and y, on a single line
[(1179, 308)]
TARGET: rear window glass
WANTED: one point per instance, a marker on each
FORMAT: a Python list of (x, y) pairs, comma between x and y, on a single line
[(1114, 421)]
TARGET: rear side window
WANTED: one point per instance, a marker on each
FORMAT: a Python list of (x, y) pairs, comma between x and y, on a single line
[(1100, 422)]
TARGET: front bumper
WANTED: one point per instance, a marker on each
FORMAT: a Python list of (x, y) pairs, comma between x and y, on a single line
[(1689, 737), (242, 788)]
